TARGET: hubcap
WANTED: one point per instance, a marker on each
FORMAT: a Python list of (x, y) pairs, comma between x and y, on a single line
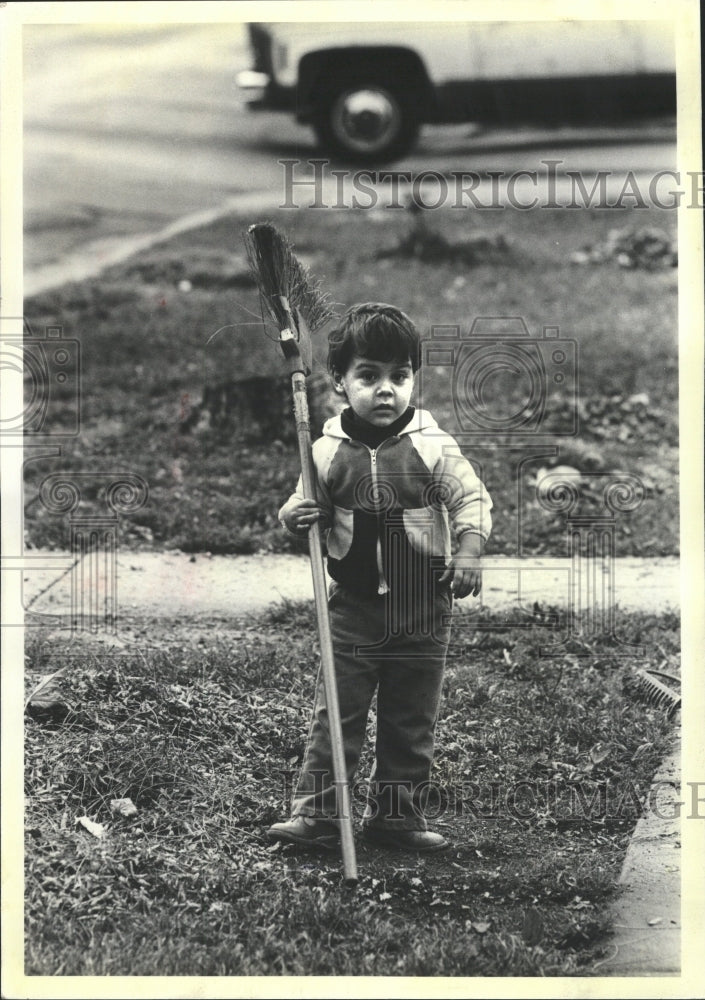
[(366, 120)]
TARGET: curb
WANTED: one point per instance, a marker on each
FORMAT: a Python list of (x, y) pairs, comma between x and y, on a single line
[(647, 915), (98, 255)]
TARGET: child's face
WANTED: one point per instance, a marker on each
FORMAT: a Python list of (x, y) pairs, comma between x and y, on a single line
[(378, 391)]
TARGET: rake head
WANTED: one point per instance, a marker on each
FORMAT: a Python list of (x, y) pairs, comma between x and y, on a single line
[(656, 691)]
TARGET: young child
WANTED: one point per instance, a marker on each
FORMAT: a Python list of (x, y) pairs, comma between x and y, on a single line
[(389, 481)]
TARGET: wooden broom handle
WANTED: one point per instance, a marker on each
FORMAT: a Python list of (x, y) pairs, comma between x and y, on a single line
[(320, 592)]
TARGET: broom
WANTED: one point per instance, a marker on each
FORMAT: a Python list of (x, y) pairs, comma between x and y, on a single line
[(297, 305)]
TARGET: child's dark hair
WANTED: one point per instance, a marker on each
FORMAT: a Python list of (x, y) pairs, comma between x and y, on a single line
[(373, 330)]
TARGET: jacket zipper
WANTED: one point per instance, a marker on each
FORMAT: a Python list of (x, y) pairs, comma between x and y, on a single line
[(382, 585)]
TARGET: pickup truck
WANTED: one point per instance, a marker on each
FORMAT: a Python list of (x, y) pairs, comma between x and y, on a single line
[(367, 87)]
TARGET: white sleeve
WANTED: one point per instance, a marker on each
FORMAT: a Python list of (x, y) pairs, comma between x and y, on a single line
[(464, 495)]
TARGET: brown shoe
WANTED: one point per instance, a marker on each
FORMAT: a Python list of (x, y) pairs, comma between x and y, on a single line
[(308, 831), (404, 840)]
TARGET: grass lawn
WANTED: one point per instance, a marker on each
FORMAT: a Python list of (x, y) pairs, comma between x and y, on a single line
[(542, 767), (217, 479)]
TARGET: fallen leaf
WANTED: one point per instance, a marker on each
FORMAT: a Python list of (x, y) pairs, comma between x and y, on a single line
[(97, 829), (44, 683), (599, 752), (123, 807), (47, 702)]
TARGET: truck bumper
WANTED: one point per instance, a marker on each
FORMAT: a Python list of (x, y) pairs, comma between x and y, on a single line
[(253, 85), (261, 93)]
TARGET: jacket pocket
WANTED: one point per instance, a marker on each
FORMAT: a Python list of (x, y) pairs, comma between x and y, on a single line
[(427, 530)]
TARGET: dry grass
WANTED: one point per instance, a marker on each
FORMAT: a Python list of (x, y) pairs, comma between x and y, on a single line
[(205, 736)]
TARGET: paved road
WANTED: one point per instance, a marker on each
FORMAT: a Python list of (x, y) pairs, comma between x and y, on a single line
[(126, 131), (130, 128)]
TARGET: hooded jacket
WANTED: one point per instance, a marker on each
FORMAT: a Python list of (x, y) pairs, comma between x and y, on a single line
[(390, 508)]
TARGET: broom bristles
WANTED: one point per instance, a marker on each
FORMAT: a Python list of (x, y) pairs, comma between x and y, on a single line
[(279, 273)]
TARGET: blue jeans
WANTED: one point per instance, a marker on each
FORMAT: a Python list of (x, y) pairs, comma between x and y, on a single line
[(397, 649)]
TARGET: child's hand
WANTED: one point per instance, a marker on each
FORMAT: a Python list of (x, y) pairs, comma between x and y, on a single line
[(464, 571), (300, 518), (463, 579)]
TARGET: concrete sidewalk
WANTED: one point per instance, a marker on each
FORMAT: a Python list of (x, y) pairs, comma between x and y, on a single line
[(175, 584)]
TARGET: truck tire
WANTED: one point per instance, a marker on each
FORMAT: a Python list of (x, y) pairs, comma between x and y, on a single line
[(366, 120)]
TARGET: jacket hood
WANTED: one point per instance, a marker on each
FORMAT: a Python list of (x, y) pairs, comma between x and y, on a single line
[(421, 420)]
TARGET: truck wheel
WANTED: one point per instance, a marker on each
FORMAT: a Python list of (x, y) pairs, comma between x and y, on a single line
[(366, 122)]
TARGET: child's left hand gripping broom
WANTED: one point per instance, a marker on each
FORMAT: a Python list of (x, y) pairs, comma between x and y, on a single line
[(297, 305)]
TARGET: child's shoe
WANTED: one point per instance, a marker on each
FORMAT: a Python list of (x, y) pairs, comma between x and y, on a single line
[(404, 840), (309, 831)]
